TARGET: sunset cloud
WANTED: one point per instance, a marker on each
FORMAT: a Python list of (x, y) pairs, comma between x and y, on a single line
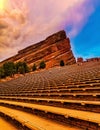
[(25, 22)]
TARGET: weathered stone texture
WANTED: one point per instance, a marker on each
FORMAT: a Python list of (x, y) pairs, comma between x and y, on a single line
[(55, 48)]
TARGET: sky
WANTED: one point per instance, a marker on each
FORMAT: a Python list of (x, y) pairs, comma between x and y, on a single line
[(26, 22)]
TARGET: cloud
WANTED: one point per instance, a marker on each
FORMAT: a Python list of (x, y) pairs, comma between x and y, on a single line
[(26, 22), (78, 17)]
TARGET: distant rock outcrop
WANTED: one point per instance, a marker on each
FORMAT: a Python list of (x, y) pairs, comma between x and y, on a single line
[(80, 60), (93, 59), (52, 50)]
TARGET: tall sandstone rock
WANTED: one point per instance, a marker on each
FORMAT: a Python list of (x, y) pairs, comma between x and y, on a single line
[(52, 50)]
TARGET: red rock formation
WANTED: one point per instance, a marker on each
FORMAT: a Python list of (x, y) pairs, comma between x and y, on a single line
[(80, 60), (93, 59), (55, 48)]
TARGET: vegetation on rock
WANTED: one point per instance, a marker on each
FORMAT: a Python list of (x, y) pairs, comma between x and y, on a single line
[(10, 68), (34, 67), (62, 63), (42, 65)]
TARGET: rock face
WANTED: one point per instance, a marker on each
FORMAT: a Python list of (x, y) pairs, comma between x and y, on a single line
[(93, 59), (52, 50), (80, 60)]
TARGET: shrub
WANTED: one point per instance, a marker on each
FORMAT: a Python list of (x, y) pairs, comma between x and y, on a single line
[(26, 68), (2, 73), (34, 67), (21, 70), (22, 67), (9, 68), (42, 65), (62, 63), (18, 64)]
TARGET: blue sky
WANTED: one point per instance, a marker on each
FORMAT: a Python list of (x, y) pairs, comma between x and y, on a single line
[(87, 42)]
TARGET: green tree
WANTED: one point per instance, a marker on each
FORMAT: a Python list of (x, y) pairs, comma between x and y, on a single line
[(9, 68), (2, 73), (42, 65), (21, 70), (62, 63), (26, 68), (17, 65), (22, 67), (34, 67)]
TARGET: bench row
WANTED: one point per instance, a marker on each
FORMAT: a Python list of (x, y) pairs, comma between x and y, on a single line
[(76, 96), (93, 106), (73, 117)]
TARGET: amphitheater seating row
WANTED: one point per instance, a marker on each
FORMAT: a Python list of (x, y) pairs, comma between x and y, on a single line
[(75, 117), (93, 106), (69, 94), (69, 89), (77, 96), (21, 122)]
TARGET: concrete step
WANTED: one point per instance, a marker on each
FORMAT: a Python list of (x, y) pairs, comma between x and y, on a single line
[(75, 117), (29, 121), (92, 106)]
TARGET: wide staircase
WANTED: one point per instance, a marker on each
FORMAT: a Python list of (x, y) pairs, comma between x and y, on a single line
[(60, 98)]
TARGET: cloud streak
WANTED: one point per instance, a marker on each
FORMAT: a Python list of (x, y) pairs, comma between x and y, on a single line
[(25, 22)]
